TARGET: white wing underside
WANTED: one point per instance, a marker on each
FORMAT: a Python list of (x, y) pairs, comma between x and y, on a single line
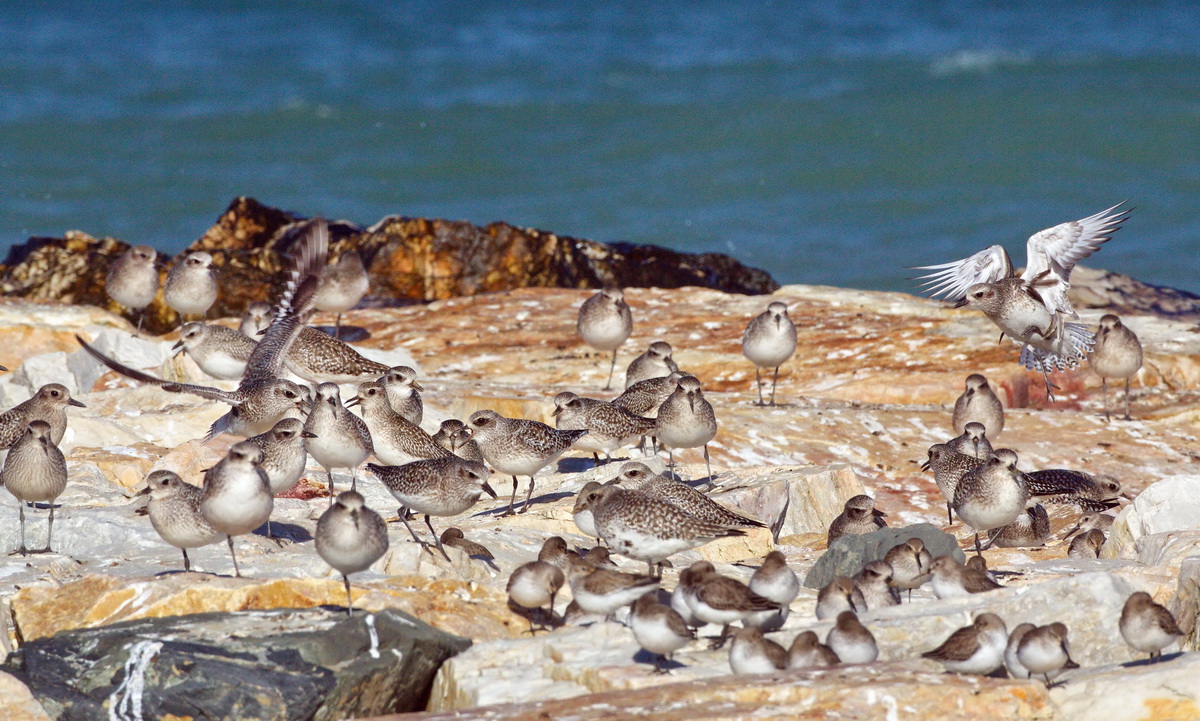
[(951, 280), (1061, 353)]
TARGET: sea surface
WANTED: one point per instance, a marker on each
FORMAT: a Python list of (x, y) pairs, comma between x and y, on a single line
[(826, 142)]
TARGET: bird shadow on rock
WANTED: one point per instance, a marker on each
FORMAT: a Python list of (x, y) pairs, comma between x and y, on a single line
[(1141, 662), (285, 532), (651, 659), (502, 509), (575, 465), (348, 333)]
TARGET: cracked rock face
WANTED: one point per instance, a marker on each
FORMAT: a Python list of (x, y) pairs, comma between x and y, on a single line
[(869, 390)]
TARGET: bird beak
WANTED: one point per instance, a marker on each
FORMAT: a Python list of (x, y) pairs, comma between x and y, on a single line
[(925, 466), (353, 402), (960, 303), (308, 434), (263, 331), (692, 402), (489, 490), (878, 513), (417, 386), (3, 369), (144, 492), (75, 403), (556, 411), (177, 346)]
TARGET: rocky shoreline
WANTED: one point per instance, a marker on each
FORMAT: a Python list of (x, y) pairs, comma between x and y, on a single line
[(868, 391)]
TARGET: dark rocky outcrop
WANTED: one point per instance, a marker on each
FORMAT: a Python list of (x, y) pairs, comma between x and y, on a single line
[(409, 259), (847, 555), (287, 664)]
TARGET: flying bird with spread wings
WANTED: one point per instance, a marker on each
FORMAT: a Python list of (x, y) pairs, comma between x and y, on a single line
[(1031, 308)]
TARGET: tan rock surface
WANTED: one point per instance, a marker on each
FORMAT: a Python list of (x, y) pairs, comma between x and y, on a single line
[(17, 702)]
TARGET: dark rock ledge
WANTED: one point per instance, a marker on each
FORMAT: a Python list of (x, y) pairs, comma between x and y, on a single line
[(409, 259)]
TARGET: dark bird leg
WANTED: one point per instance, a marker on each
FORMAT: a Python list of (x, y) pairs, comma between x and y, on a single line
[(758, 385), (141, 317), (528, 496), (50, 531), (411, 532), (337, 327), (21, 513), (512, 502), (1126, 403), (236, 571), (712, 481), (774, 382), (1104, 391), (612, 367), (349, 600), (949, 513), (436, 537), (329, 476), (187, 564), (354, 478), (978, 549)]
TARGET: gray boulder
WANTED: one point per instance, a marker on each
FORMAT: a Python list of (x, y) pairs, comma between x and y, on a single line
[(847, 555)]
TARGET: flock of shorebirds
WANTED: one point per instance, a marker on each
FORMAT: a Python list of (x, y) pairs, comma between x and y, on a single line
[(639, 514)]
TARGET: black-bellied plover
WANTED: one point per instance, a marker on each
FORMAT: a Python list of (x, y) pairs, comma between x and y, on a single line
[(599, 557), (858, 516), (395, 439), (236, 498), (656, 362), (453, 537), (645, 528), (133, 279), (1061, 485), (718, 599), (256, 320), (603, 591), (604, 323), (555, 550), (851, 640), (840, 594), (659, 629), (174, 511), (1033, 308), (637, 476), (978, 648), (404, 393), (318, 357), (1086, 544), (910, 562), (807, 651), (350, 537), (284, 456), (343, 285), (683, 596), (973, 442), (991, 496), (774, 581), (335, 437), (518, 447), (1011, 662), (978, 404), (951, 579), (533, 586), (35, 472), (687, 420), (1147, 626), (49, 404), (220, 352), (769, 340), (263, 396), (1117, 354), (609, 427), (1091, 520), (752, 652), (1032, 528), (948, 467), (1044, 652), (581, 513), (874, 582), (191, 287), (445, 486), (644, 397)]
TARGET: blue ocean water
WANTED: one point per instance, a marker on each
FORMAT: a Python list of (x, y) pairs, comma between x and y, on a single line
[(827, 142)]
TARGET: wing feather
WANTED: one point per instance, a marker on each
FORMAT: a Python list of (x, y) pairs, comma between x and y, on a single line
[(1052, 253), (951, 280), (215, 394)]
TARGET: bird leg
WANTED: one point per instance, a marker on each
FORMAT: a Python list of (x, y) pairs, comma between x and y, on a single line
[(21, 512), (758, 385), (141, 317), (949, 513), (1104, 391), (512, 503), (187, 564), (1126, 407), (978, 550), (596, 456), (236, 571), (774, 382), (337, 327), (712, 481), (436, 537), (49, 532), (719, 641), (416, 539), (349, 600), (611, 368), (329, 476), (354, 478), (528, 496)]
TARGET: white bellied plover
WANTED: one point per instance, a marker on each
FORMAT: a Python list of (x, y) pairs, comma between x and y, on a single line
[(637, 476), (49, 404), (609, 426), (221, 352), (910, 562), (404, 393), (839, 595), (687, 420), (1033, 308), (773, 580), (236, 498), (1061, 485), (1032, 528), (518, 447), (256, 319), (1044, 652), (605, 322), (191, 287), (948, 467), (1118, 354), (35, 472), (718, 599), (807, 651), (603, 591), (343, 285), (335, 437), (874, 582), (350, 537), (978, 404), (951, 579), (532, 587), (656, 362), (991, 496), (174, 511), (659, 629), (769, 340), (973, 442), (133, 279), (851, 640), (752, 652), (444, 486), (395, 439)]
